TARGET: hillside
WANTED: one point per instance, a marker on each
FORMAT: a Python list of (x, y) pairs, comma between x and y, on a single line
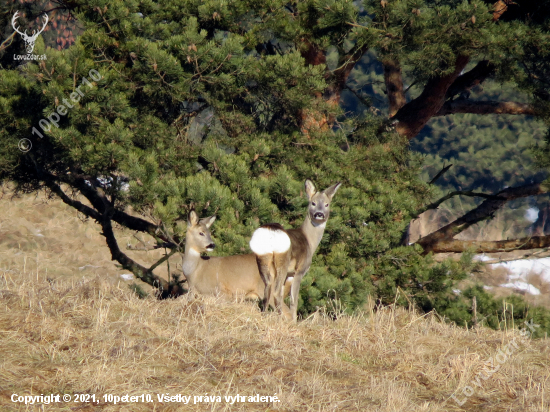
[(70, 325)]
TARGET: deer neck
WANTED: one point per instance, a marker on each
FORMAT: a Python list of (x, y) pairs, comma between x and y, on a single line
[(191, 261), (313, 232)]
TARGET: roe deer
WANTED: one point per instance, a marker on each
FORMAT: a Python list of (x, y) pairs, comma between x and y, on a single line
[(228, 275), (283, 254)]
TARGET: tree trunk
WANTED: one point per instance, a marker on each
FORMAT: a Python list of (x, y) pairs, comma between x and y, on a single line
[(394, 85), (542, 224)]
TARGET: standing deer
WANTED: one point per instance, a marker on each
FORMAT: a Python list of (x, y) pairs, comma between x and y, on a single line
[(282, 254), (29, 40), (228, 275)]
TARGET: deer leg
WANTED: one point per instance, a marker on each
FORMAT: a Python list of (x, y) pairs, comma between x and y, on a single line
[(280, 261), (295, 292), (264, 266)]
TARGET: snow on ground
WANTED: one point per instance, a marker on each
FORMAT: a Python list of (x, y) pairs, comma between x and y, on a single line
[(483, 258), (519, 269), (527, 287)]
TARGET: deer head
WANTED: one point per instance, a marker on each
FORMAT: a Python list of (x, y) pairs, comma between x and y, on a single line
[(29, 40), (198, 235), (319, 202)]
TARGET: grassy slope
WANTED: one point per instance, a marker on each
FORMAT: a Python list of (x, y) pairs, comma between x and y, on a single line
[(83, 331)]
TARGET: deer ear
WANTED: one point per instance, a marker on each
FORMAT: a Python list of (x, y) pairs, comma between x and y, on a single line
[(192, 219), (208, 221), (310, 189), (331, 191)]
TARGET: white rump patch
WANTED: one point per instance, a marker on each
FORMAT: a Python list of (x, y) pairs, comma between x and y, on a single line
[(265, 241)]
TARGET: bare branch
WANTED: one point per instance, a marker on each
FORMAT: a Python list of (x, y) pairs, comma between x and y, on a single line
[(510, 257), (441, 173), (162, 260), (486, 210), (457, 246), (489, 107), (469, 193)]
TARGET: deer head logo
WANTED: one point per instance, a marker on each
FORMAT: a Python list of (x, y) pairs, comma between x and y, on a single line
[(29, 40)]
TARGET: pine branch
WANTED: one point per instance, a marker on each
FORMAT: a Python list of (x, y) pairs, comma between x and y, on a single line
[(339, 77), (146, 275), (470, 79), (490, 107), (413, 116), (444, 235), (82, 208), (122, 218), (6, 43), (104, 218), (361, 99)]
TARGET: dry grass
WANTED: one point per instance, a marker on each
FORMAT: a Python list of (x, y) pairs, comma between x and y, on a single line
[(68, 331), (96, 337), (46, 237)]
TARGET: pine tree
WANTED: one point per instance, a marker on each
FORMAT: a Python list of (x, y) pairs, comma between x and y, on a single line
[(228, 107)]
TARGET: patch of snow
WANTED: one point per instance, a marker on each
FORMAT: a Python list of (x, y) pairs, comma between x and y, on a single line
[(127, 276), (482, 258), (520, 268), (457, 291), (522, 286), (532, 214), (487, 287), (107, 183), (88, 266)]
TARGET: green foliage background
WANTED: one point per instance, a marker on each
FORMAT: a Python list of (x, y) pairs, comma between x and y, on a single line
[(488, 153)]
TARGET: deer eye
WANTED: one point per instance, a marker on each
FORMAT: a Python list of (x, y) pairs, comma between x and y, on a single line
[(202, 234), (326, 205), (312, 203)]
